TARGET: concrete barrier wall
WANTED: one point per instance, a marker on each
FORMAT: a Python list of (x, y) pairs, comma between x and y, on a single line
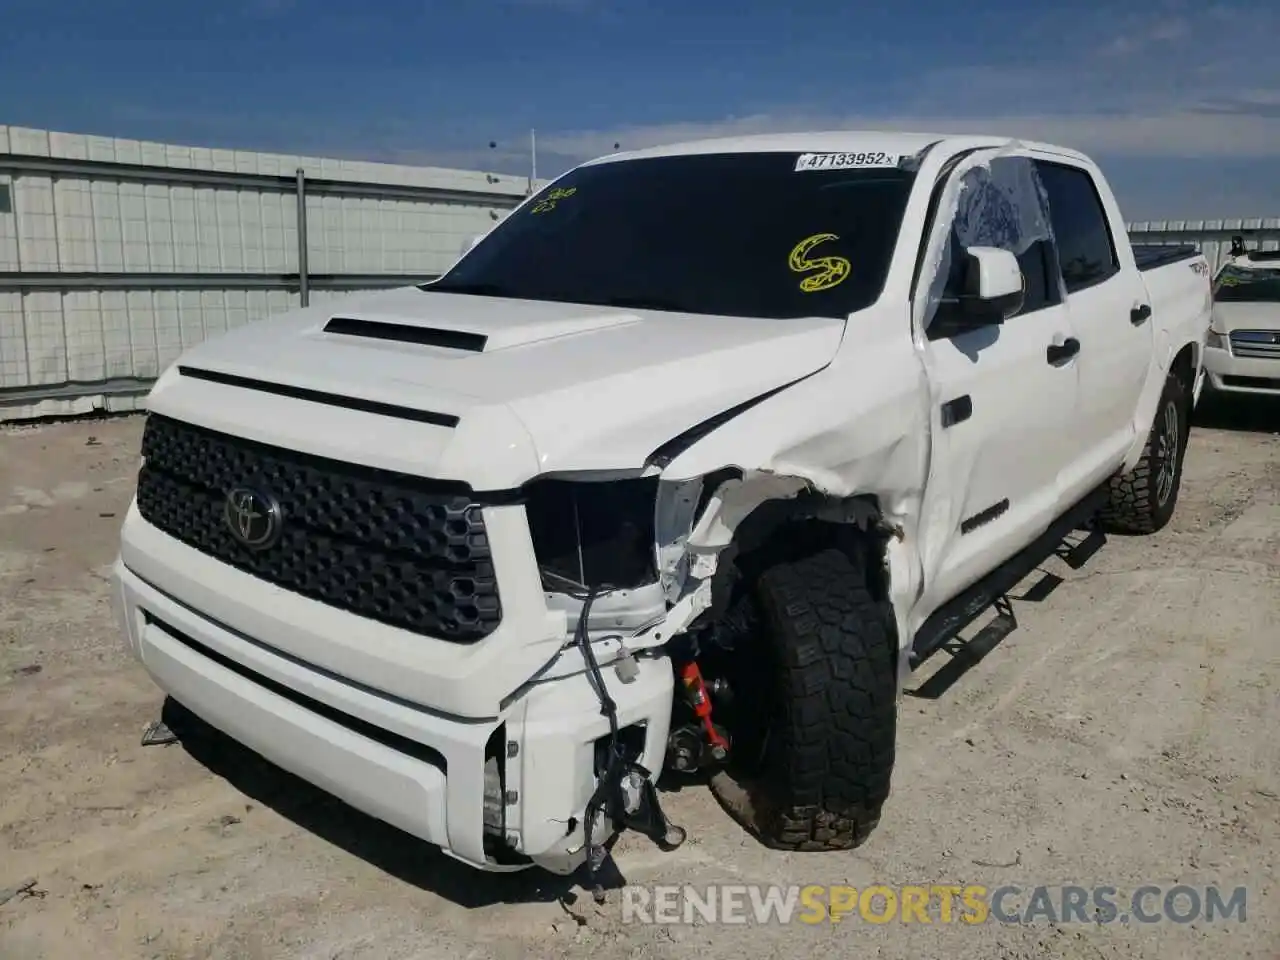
[(115, 255)]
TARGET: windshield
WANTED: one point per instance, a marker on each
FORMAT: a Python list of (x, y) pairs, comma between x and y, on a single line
[(769, 235), (1236, 284)]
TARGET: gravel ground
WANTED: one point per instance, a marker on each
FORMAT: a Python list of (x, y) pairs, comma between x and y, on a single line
[(1123, 735)]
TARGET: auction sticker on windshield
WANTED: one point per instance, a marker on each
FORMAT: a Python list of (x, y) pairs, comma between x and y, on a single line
[(846, 161)]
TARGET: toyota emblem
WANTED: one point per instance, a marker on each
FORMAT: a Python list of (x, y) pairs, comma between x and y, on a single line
[(253, 518)]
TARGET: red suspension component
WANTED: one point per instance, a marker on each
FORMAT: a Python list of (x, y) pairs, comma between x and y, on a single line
[(696, 691)]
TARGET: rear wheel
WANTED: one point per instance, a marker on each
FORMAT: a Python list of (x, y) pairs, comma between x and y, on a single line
[(1143, 500), (825, 672)]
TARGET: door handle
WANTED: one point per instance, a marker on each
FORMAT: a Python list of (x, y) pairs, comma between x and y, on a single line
[(1140, 314), (957, 410), (1059, 353)]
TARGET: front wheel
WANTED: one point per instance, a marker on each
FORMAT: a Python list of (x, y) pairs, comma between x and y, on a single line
[(1143, 500), (826, 679)]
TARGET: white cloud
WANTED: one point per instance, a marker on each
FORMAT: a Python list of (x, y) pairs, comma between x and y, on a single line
[(1166, 81)]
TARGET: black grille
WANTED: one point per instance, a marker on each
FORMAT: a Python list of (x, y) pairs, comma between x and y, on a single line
[(403, 551)]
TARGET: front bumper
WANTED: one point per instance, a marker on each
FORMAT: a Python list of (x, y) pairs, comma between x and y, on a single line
[(417, 769), (1227, 373)]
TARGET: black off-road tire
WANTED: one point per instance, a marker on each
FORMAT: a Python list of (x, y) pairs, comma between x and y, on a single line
[(1143, 501), (829, 652)]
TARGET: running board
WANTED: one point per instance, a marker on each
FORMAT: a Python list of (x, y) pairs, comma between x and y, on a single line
[(945, 623), (969, 654)]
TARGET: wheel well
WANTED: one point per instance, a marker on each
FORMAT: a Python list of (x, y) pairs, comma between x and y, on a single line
[(1184, 365), (789, 529)]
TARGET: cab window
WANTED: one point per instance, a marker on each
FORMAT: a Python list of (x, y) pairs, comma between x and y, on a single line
[(1086, 250)]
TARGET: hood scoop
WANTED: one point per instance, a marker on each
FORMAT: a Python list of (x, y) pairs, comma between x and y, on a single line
[(407, 333), (494, 330)]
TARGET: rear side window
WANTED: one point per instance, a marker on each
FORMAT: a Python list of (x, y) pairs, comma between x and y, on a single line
[(1086, 252)]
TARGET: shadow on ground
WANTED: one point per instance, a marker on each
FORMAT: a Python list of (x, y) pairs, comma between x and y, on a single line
[(383, 846), (1248, 413)]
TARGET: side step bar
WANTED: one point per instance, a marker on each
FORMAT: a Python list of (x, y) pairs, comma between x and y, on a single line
[(953, 616)]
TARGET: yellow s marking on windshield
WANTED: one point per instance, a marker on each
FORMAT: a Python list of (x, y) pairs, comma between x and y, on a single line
[(835, 270), (549, 201)]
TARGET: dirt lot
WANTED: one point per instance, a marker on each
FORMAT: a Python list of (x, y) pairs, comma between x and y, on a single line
[(1125, 734)]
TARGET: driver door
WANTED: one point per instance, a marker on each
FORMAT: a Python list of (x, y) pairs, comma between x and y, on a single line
[(1004, 395)]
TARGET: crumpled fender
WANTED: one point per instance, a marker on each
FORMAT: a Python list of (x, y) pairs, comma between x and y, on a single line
[(856, 429)]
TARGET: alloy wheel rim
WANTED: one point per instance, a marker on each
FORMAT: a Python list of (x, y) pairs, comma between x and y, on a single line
[(1167, 453)]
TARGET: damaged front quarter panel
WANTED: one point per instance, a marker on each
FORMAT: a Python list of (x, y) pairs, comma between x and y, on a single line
[(864, 470), (697, 521), (689, 562)]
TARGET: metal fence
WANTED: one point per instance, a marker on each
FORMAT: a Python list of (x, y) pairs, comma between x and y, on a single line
[(116, 255), (1211, 237)]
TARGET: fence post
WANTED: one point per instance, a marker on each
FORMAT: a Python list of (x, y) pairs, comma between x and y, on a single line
[(304, 287)]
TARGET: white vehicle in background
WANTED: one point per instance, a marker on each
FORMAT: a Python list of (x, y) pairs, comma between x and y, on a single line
[(1242, 354), (687, 465)]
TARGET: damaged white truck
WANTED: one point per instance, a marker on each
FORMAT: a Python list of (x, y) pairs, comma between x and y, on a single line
[(686, 465)]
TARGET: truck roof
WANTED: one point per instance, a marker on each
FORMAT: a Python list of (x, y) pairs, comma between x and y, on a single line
[(835, 141)]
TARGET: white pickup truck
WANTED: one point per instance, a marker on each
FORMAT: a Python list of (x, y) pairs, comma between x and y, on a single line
[(686, 465)]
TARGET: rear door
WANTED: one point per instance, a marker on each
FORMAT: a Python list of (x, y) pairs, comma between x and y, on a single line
[(1111, 315), (1005, 396)]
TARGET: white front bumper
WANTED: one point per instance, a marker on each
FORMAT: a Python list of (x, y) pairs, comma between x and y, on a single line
[(366, 747), (1260, 375)]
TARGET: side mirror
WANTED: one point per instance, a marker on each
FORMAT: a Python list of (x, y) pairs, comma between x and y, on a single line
[(994, 287)]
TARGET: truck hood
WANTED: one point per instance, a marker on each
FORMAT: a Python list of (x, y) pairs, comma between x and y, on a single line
[(587, 387), (1246, 316)]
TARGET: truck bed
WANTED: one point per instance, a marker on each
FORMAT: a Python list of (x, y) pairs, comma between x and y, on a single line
[(1149, 256)]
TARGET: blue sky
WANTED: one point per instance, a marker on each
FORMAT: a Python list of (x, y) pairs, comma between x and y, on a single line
[(1179, 101)]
